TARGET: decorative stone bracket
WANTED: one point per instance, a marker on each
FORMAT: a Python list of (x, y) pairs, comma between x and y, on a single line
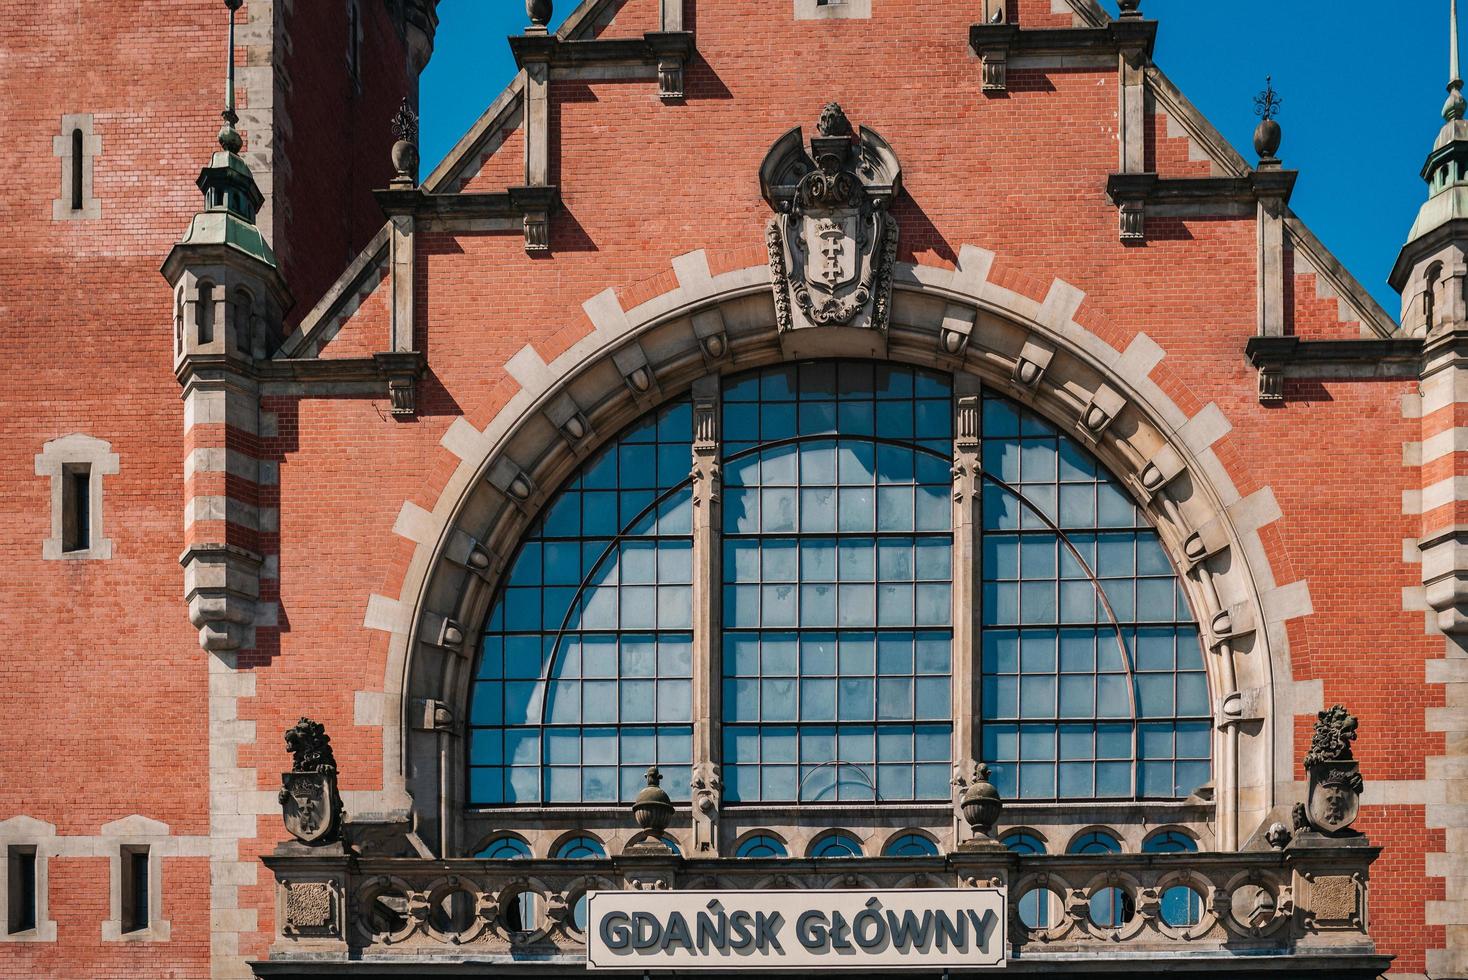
[(1279, 357), (533, 206), (1135, 193), (668, 50), (996, 44)]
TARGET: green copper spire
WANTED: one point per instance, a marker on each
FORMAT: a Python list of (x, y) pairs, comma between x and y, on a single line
[(232, 199), (1456, 104), (229, 137)]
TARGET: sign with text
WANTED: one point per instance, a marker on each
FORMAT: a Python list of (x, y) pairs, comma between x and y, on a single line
[(795, 929)]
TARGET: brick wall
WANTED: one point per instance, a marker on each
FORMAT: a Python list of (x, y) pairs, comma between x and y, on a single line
[(102, 662), (103, 686)]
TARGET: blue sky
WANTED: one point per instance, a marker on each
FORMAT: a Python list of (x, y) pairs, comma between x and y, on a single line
[(1362, 93)]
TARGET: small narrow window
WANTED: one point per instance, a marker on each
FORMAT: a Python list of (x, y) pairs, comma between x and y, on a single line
[(76, 507), (135, 889), (21, 900), (354, 40), (77, 165), (206, 313)]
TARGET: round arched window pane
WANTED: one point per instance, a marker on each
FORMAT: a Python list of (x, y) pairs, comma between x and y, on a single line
[(584, 677), (837, 845), (761, 846), (1170, 842), (912, 845), (505, 848), (1024, 843), (581, 847), (1092, 673), (1095, 842)]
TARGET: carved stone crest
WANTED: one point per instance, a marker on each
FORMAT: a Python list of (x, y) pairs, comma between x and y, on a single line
[(1335, 776), (833, 242), (310, 804)]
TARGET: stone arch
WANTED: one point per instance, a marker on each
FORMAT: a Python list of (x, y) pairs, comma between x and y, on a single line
[(959, 320)]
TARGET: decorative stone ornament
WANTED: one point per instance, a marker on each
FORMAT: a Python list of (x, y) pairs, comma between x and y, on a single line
[(539, 12), (653, 809), (310, 804), (833, 242), (1267, 135), (1335, 776), (405, 150), (981, 804)]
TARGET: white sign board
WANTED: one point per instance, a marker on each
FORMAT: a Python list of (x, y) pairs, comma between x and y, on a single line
[(813, 929)]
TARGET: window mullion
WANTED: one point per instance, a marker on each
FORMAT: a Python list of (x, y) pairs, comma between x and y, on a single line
[(967, 524), (707, 605)]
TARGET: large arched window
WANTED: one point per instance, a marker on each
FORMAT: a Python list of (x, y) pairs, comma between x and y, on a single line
[(1093, 682), (834, 662), (838, 551), (584, 675)]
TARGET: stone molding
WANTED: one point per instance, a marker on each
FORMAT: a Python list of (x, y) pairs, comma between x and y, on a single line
[(472, 517), (52, 462), (107, 843), (61, 146), (120, 834), (833, 10)]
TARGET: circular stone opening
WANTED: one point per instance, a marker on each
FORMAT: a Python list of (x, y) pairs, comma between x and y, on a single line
[(1182, 907), (1111, 907), (1040, 908), (520, 911), (453, 913), (387, 912), (1253, 905)]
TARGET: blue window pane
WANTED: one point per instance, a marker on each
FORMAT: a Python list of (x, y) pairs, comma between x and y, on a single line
[(836, 845), (1095, 842), (1115, 670), (760, 846)]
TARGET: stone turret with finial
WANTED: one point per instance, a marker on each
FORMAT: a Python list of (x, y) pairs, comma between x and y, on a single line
[(1435, 246), (1431, 273), (229, 302)]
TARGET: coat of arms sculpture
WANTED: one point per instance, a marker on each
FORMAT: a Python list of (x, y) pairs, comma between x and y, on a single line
[(1335, 775), (833, 241), (310, 804)]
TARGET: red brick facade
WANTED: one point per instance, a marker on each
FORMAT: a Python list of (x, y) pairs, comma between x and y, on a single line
[(110, 699)]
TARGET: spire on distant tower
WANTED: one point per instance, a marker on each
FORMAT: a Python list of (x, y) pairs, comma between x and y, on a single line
[(229, 137), (1456, 104)]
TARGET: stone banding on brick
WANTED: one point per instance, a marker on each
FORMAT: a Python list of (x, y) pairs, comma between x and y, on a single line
[(477, 512)]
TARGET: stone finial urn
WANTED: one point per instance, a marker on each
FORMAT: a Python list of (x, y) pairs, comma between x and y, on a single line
[(1267, 137), (1129, 8), (539, 12), (405, 150), (652, 808), (981, 803)]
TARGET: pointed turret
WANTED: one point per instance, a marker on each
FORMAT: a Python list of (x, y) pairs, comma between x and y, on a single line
[(1430, 274), (224, 250), (228, 307), (1438, 242)]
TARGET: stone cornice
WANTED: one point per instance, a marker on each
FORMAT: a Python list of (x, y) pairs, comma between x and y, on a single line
[(1150, 188), (561, 53), (1117, 36), (306, 370), (1341, 358), (515, 202)]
